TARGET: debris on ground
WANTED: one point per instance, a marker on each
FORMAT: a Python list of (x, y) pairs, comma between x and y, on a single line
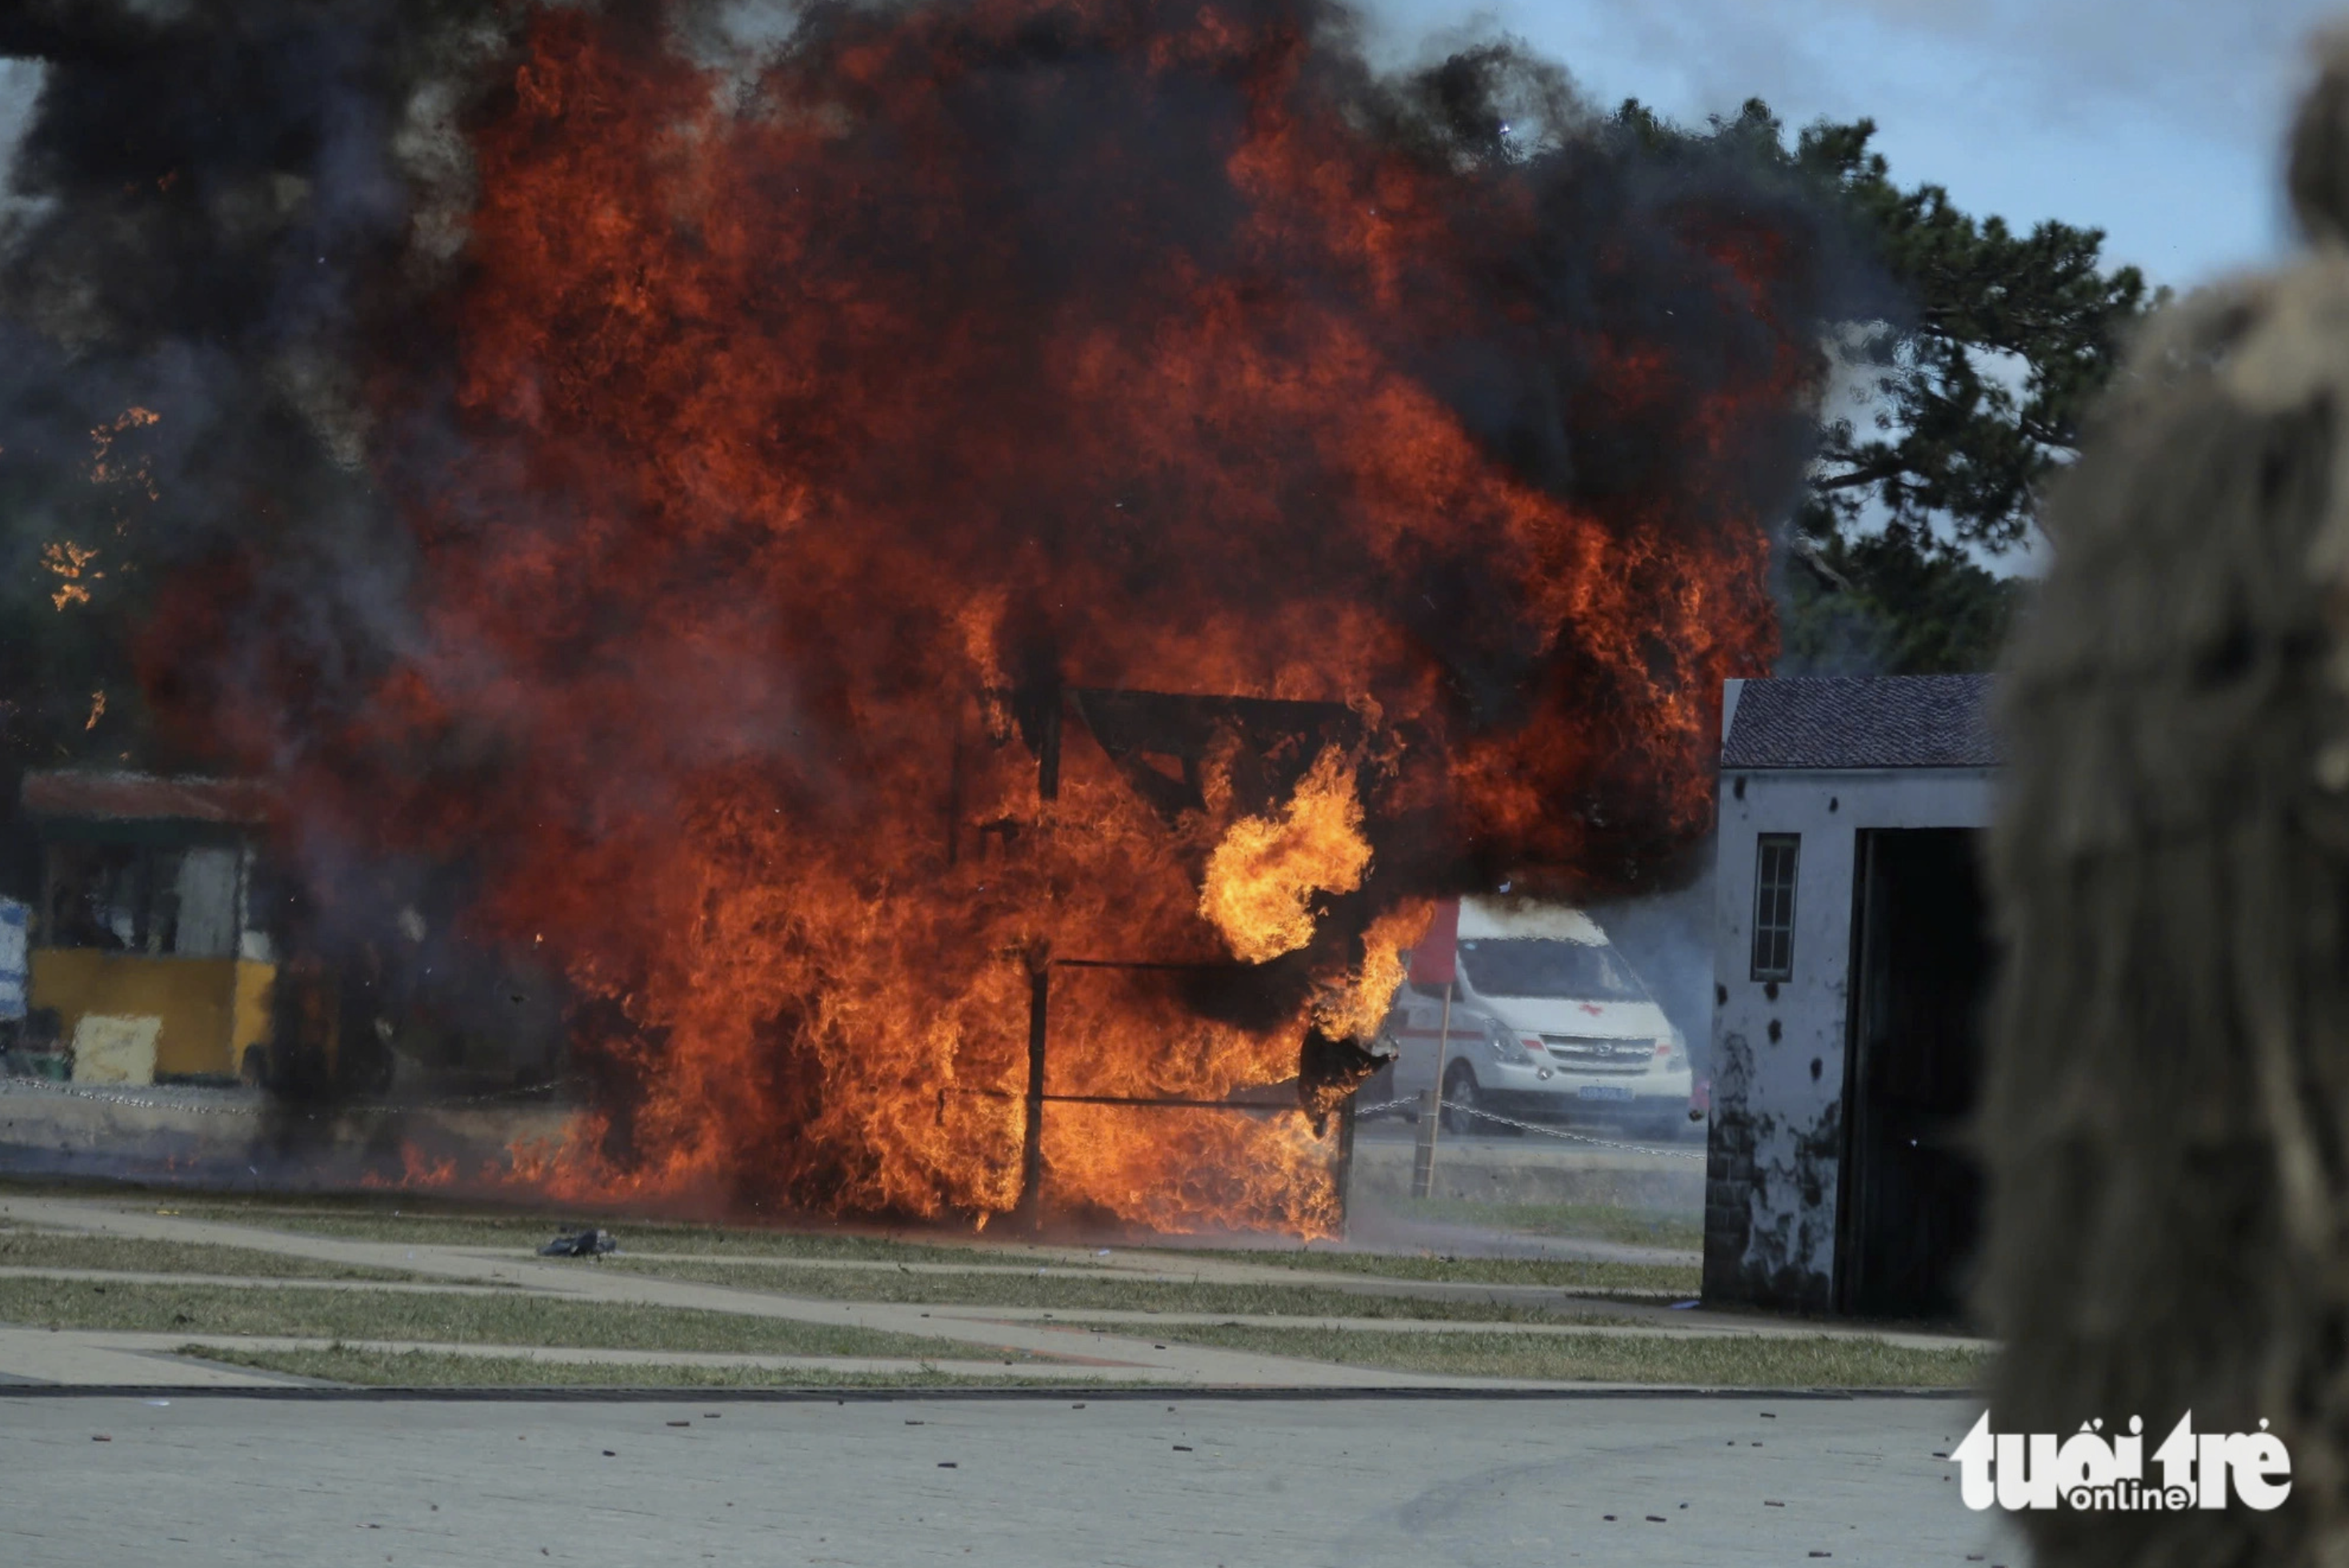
[(581, 1244)]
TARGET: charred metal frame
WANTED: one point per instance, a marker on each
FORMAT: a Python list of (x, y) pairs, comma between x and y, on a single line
[(1127, 724), (1274, 1097)]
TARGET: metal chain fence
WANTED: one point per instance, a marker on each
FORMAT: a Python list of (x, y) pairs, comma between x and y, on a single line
[(1475, 1110), (1576, 1137)]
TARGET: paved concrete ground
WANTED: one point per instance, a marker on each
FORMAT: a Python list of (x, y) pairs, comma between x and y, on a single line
[(1288, 1483), (208, 1471), (32, 1357)]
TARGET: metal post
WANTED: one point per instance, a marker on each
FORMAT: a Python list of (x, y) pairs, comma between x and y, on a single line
[(1345, 1157), (1423, 1157), (1430, 1108), (1031, 1156)]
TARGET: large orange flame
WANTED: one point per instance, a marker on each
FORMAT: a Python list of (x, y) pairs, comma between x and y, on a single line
[(1265, 870), (825, 426)]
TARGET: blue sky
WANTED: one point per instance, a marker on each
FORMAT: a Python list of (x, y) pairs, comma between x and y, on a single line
[(2159, 121)]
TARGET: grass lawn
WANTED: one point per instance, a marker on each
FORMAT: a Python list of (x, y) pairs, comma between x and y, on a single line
[(1714, 1361), (66, 1249), (507, 1319), (443, 1227), (1078, 1292), (440, 1369), (424, 1220), (1584, 1221), (1562, 1274)]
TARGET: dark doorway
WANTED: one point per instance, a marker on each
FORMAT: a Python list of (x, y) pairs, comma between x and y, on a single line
[(1911, 1203)]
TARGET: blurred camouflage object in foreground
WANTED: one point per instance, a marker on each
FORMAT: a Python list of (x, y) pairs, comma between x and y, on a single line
[(2166, 1123)]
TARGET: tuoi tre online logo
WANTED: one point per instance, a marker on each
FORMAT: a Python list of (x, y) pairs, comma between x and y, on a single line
[(2090, 1471)]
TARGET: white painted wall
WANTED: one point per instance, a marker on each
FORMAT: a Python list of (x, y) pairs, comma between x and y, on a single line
[(1788, 1089)]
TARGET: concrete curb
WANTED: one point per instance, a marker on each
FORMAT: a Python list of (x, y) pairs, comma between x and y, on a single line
[(1191, 1394)]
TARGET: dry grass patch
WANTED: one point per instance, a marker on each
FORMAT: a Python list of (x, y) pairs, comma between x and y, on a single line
[(1558, 1273), (1081, 1292), (526, 1232), (445, 1370), (1673, 1228), (72, 1250), (1705, 1361), (503, 1318)]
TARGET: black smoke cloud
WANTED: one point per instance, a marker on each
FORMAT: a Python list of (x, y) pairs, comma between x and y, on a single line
[(247, 217), (221, 211)]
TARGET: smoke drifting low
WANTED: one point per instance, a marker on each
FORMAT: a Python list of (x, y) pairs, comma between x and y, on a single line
[(673, 463), (217, 208)]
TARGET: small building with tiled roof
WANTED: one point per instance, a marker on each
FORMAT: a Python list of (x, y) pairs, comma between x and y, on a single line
[(1845, 723), (1851, 965)]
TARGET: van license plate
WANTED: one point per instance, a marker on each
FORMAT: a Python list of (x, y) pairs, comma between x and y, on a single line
[(1604, 1091)]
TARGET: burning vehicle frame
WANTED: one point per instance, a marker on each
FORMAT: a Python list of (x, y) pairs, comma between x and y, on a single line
[(1131, 727)]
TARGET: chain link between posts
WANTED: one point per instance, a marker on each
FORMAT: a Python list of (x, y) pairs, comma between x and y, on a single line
[(1362, 1111)]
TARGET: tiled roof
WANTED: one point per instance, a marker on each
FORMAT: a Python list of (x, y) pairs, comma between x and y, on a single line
[(1884, 721), (143, 797)]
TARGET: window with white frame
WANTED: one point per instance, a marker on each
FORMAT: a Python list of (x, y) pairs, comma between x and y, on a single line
[(1773, 905)]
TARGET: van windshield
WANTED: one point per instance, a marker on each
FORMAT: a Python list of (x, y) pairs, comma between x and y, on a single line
[(1542, 966)]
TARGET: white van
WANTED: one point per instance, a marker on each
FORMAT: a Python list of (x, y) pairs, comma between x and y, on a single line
[(1549, 1024)]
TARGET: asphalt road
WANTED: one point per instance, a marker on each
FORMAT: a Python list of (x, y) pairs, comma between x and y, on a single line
[(994, 1482)]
